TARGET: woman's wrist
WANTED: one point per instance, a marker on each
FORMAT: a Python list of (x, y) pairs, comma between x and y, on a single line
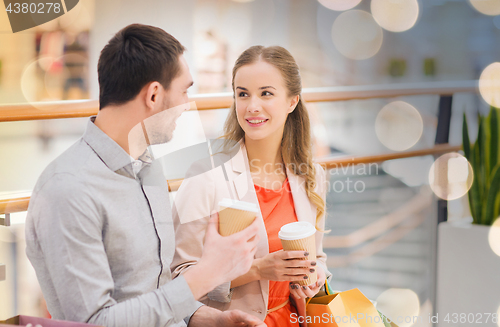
[(255, 270)]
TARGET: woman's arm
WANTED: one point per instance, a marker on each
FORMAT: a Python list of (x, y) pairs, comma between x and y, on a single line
[(278, 266), (251, 276)]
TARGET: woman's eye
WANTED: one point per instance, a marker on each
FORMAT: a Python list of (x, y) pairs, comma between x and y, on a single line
[(266, 93), (242, 94)]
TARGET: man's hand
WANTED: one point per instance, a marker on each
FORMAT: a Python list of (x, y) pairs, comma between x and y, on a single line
[(207, 317), (224, 258), (238, 318)]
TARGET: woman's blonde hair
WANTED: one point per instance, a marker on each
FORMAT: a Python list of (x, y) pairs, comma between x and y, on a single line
[(296, 144)]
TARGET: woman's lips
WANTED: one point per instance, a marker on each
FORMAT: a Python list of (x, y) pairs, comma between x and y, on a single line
[(256, 122)]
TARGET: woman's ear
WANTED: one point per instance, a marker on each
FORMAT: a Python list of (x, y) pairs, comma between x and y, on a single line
[(293, 103)]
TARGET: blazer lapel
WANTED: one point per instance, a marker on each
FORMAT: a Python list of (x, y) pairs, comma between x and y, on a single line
[(243, 184), (239, 167)]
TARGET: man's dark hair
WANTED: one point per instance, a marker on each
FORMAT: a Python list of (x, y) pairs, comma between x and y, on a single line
[(135, 56)]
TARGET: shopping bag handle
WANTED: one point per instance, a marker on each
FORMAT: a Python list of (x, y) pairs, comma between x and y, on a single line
[(328, 291)]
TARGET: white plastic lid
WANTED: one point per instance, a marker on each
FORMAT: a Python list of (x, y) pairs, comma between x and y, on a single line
[(240, 205), (296, 231)]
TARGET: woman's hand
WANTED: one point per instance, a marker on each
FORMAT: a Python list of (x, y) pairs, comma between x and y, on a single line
[(301, 292), (285, 266)]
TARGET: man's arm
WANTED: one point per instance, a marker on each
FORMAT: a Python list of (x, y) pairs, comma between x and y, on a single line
[(206, 317), (224, 258), (68, 231)]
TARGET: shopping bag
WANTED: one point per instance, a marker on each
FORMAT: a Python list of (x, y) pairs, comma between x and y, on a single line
[(344, 309), (44, 322)]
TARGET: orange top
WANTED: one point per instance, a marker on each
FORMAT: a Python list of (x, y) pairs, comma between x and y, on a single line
[(277, 210)]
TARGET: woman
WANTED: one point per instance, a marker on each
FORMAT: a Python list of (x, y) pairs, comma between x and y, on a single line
[(271, 167)]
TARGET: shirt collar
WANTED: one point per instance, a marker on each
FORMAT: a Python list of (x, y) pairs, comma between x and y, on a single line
[(113, 155)]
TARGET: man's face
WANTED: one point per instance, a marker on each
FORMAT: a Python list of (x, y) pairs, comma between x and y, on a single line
[(161, 126)]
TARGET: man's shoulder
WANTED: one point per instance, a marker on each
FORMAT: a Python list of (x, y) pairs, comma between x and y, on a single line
[(63, 184), (72, 164)]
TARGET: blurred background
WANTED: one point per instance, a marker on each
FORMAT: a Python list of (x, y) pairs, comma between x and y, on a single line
[(337, 43)]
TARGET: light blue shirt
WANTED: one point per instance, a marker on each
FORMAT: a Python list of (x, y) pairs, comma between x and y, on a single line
[(101, 239)]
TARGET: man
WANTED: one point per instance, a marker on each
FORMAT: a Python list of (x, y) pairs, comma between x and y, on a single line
[(99, 230)]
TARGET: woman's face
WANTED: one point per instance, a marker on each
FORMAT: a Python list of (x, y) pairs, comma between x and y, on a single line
[(262, 103)]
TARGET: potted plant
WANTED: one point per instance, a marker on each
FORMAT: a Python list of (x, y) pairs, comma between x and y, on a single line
[(484, 195), (468, 278)]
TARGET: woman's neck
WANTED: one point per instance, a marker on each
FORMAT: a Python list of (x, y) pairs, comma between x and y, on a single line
[(264, 155)]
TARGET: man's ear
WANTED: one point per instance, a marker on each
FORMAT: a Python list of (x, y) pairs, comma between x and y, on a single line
[(293, 103), (152, 95)]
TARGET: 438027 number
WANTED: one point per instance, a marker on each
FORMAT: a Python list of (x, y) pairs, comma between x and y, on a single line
[(471, 318), (34, 8)]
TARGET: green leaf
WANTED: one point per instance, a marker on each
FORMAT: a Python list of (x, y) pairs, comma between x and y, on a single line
[(496, 212), (474, 198), (479, 172), (484, 129), (474, 192), (491, 197), (466, 139), (493, 138)]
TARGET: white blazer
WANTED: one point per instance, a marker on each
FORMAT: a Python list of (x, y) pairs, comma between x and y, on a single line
[(198, 197)]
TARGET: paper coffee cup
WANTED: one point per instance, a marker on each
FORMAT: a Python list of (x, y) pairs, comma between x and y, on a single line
[(300, 236), (235, 216)]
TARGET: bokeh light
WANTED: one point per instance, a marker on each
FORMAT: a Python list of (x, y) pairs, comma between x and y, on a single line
[(494, 237), (498, 315), (399, 303), (339, 5), (29, 84), (395, 15), (487, 7), (451, 176), (43, 80), (399, 126), (489, 84), (357, 35)]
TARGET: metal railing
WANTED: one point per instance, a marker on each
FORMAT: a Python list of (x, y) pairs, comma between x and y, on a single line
[(20, 204), (86, 108)]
